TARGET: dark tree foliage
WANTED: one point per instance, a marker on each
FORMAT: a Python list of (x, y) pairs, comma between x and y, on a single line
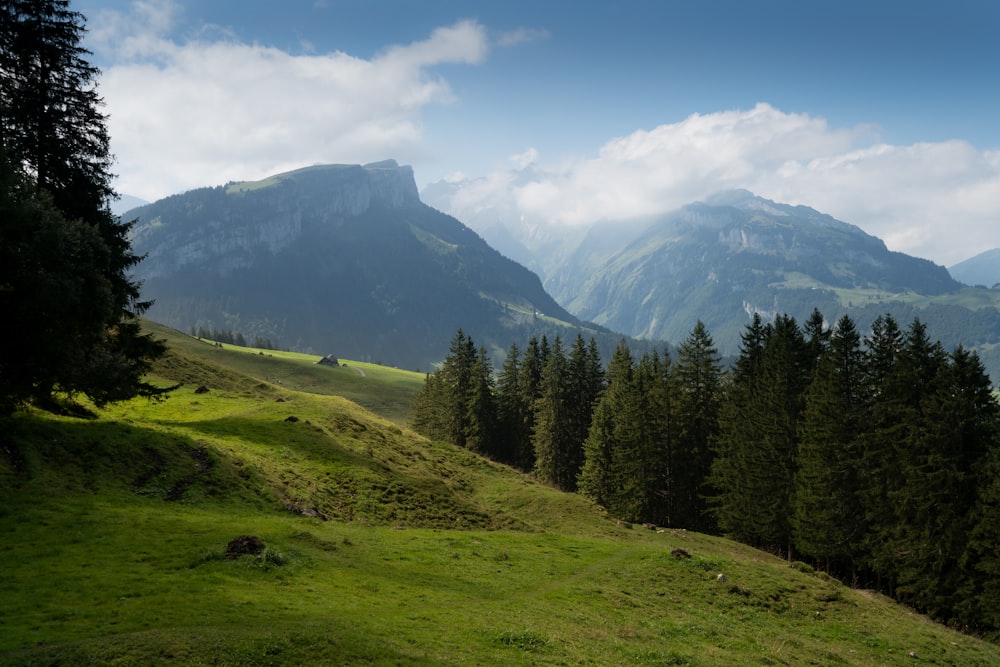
[(512, 421), (757, 440), (65, 272), (612, 429), (441, 410), (878, 461), (826, 509), (558, 450), (697, 380), (530, 386), (481, 420)]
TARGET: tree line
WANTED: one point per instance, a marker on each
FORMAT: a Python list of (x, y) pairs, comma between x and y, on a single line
[(230, 337), (875, 457)]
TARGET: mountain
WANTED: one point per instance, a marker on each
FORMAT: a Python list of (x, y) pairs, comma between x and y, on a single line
[(736, 254), (126, 203), (983, 269), (341, 259)]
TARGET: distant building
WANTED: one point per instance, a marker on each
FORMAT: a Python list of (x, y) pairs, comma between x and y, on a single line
[(328, 360)]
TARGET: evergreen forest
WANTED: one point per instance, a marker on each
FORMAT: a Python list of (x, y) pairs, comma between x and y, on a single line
[(875, 458)]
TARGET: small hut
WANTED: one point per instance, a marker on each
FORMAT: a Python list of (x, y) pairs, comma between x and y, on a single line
[(328, 360)]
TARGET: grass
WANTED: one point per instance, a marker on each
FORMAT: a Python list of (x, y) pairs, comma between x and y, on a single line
[(381, 549)]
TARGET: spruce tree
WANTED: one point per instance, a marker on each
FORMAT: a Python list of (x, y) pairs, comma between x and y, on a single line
[(481, 418), (55, 152), (698, 384), (826, 518), (555, 438), (512, 419), (753, 472), (585, 380), (530, 385), (442, 410), (730, 497), (608, 431)]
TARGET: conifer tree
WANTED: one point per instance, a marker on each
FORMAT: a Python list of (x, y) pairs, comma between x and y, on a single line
[(939, 466), (898, 367), (648, 468), (585, 380), (698, 376), (530, 385), (481, 418), (513, 429), (442, 409), (55, 157), (739, 429), (609, 430), (826, 516), (555, 438), (753, 472)]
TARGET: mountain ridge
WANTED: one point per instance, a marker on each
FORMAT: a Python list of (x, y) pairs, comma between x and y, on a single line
[(341, 259)]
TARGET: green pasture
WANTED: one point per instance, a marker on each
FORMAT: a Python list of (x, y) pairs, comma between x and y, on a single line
[(381, 548)]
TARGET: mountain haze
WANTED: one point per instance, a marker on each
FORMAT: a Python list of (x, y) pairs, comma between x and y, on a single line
[(983, 269), (341, 259), (731, 256), (722, 260)]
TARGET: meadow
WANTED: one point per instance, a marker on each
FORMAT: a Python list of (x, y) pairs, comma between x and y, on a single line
[(381, 547)]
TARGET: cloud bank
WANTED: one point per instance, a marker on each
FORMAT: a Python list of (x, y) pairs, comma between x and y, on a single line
[(212, 109), (935, 200)]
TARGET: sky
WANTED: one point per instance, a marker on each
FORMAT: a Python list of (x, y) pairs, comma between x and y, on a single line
[(884, 114)]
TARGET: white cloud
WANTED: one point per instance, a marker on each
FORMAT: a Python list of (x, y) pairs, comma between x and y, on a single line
[(524, 159), (934, 200), (212, 109)]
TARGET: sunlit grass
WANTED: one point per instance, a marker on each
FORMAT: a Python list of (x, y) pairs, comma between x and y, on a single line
[(113, 535)]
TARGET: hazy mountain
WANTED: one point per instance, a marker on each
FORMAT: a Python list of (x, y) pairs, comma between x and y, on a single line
[(490, 211), (126, 203), (983, 269), (735, 254), (341, 259)]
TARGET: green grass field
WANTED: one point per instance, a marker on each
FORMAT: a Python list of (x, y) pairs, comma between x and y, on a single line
[(381, 548)]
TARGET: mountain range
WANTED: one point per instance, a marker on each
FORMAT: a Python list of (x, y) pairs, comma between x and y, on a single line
[(338, 259), (348, 260), (725, 258)]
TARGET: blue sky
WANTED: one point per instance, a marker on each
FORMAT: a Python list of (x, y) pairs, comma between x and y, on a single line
[(883, 114)]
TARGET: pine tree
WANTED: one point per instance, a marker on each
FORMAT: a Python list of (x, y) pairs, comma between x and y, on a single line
[(739, 429), (512, 419), (555, 437), (481, 418), (530, 385), (585, 380), (608, 430), (698, 385), (753, 472), (441, 410), (826, 510), (55, 152)]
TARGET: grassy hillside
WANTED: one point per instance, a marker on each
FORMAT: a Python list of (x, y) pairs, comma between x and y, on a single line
[(381, 548)]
